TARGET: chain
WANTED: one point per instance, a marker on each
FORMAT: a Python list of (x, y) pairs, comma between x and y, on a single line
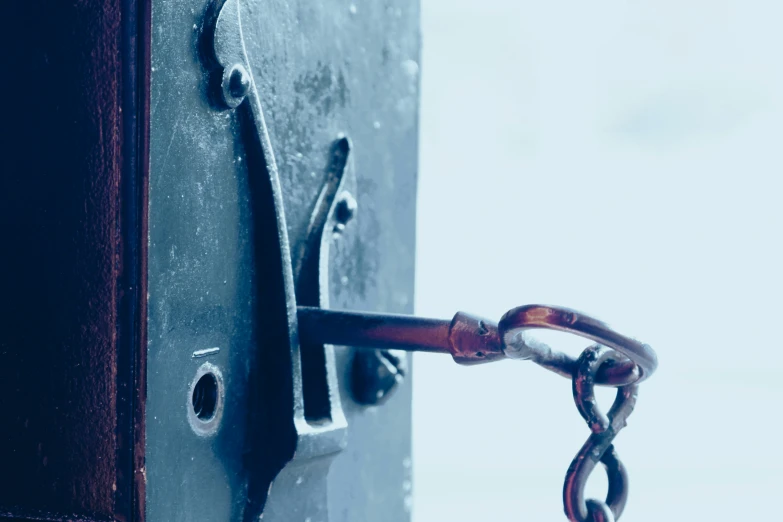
[(598, 447), (617, 361)]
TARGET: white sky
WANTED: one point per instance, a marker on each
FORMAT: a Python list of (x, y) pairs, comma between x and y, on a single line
[(624, 159)]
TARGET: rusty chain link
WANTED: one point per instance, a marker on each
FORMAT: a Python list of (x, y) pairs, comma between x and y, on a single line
[(618, 361), (598, 447)]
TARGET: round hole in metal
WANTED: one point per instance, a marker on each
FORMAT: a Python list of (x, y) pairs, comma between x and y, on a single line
[(205, 397), (205, 400)]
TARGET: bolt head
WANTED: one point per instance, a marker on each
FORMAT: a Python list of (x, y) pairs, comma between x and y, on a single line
[(236, 85), (346, 208), (238, 82)]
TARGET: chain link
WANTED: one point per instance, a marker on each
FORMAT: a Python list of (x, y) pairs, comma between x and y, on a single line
[(617, 361), (598, 447)]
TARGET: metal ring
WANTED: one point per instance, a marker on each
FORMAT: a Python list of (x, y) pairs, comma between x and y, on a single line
[(513, 326)]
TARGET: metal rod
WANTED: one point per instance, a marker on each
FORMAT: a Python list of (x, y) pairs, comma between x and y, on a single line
[(472, 340), (372, 330)]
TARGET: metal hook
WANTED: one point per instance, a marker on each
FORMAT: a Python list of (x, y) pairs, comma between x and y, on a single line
[(617, 360), (641, 360), (473, 340)]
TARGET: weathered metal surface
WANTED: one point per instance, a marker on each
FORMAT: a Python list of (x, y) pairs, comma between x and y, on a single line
[(70, 191), (322, 69), (299, 417)]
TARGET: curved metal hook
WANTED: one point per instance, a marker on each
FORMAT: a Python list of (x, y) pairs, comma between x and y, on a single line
[(300, 429), (518, 344)]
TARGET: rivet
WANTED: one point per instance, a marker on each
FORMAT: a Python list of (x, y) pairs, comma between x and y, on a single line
[(346, 208), (238, 81)]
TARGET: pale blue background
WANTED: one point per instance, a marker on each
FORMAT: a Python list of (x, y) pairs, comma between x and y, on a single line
[(622, 158)]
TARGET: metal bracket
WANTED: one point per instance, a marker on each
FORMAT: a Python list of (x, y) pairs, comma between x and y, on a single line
[(301, 422)]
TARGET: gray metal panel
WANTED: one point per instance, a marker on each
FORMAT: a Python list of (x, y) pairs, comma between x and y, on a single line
[(322, 69)]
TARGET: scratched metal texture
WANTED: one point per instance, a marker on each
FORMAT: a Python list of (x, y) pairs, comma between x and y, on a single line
[(322, 69)]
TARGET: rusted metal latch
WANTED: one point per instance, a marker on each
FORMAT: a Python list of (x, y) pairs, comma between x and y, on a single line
[(311, 330), (616, 360)]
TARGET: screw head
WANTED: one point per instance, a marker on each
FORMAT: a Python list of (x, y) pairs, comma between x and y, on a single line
[(236, 84), (345, 209)]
